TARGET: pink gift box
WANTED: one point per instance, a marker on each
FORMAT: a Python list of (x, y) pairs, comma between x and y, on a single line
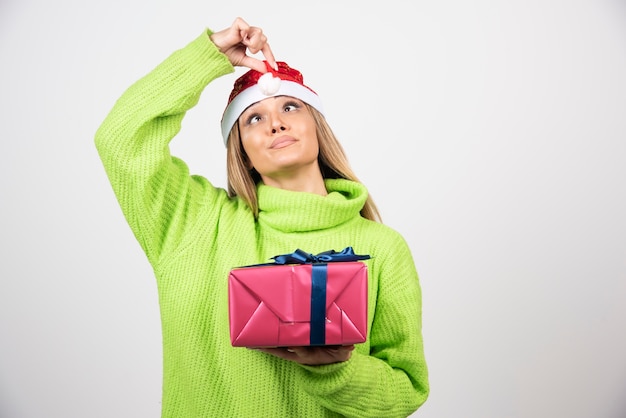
[(284, 305)]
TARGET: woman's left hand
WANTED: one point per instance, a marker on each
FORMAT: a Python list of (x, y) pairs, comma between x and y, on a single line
[(312, 356)]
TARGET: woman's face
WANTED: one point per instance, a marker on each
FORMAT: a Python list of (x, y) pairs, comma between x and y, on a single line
[(279, 136)]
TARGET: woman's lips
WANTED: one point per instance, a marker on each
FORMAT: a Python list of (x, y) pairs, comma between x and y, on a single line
[(282, 142)]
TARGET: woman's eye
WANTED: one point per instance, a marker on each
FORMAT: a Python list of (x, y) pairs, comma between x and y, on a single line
[(290, 107), (253, 119)]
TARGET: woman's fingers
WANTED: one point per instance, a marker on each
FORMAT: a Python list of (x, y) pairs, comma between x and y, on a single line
[(240, 38), (312, 355), (255, 40)]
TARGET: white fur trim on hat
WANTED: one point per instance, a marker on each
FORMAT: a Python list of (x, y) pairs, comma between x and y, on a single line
[(256, 93)]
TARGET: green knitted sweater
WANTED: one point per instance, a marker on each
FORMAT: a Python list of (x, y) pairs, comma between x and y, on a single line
[(193, 234)]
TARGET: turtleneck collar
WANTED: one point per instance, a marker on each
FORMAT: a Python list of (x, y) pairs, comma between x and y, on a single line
[(289, 211)]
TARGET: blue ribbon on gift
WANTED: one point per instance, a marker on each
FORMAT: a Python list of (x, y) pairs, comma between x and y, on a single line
[(302, 257), (319, 276)]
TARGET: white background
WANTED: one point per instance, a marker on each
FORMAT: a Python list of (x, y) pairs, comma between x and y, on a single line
[(491, 134)]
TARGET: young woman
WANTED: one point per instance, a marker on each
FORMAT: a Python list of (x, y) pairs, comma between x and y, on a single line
[(289, 186)]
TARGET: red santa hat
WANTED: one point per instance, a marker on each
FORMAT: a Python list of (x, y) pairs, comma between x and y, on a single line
[(254, 86)]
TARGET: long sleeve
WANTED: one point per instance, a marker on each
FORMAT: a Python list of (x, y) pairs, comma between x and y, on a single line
[(155, 191), (392, 379)]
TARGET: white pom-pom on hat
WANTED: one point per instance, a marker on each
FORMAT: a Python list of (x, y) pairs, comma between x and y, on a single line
[(268, 84)]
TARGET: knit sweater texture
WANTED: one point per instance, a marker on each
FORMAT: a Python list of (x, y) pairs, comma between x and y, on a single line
[(193, 233)]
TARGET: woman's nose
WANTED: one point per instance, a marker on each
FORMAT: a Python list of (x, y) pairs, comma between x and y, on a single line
[(277, 124), (277, 129)]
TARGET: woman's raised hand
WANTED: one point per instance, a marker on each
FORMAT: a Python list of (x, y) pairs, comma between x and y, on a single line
[(239, 38)]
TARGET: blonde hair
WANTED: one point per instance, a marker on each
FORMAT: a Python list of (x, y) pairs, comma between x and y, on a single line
[(242, 178)]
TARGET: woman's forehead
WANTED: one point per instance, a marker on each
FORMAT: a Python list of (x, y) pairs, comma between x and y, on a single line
[(271, 101)]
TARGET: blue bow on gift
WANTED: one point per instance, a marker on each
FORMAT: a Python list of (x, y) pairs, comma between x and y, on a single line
[(318, 283), (302, 257)]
